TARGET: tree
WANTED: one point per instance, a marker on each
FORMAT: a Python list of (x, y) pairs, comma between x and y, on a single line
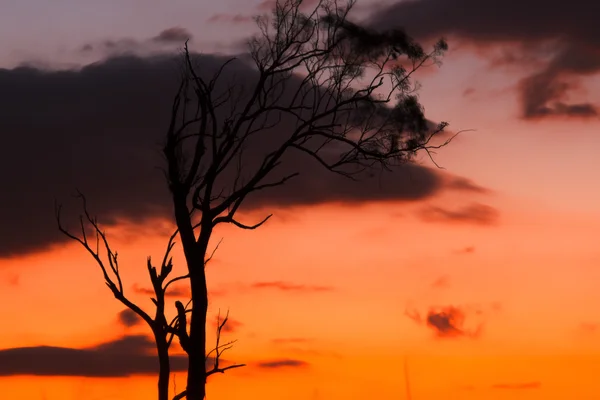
[(97, 245), (311, 71), (325, 89)]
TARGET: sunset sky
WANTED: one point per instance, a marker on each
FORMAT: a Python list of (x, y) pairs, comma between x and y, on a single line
[(477, 281)]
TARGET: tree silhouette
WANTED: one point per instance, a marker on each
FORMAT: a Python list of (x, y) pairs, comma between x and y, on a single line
[(326, 91), (163, 332)]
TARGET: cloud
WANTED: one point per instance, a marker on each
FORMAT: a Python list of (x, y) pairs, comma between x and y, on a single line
[(12, 279), (414, 315), (446, 322), (172, 291), (302, 347), (517, 386), (465, 185), (441, 283), (466, 250), (282, 363), (126, 356), (129, 318), (588, 327), (217, 292), (474, 213), (468, 92), (296, 340), (175, 34), (561, 42), (269, 5), (157, 44), (109, 46), (100, 128), (230, 18), (291, 287)]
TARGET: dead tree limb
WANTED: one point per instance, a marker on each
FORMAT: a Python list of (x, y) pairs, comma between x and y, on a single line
[(108, 263)]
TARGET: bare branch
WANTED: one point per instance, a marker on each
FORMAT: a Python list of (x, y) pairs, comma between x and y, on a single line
[(115, 288), (235, 222), (223, 369), (180, 396), (219, 349), (213, 252)]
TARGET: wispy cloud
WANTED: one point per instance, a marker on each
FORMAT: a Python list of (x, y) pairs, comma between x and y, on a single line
[(175, 34), (441, 283), (282, 363), (231, 18), (12, 279), (294, 340), (589, 327), (291, 287), (268, 5), (466, 185), (172, 291), (466, 250), (163, 40), (517, 386), (474, 213)]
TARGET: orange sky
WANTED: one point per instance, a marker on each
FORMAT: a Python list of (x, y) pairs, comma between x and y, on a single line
[(342, 293), (526, 284)]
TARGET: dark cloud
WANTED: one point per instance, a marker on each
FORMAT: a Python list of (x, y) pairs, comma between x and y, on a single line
[(446, 322), (175, 34), (282, 363), (291, 287), (129, 355), (517, 386), (100, 129), (474, 213), (129, 318), (562, 41)]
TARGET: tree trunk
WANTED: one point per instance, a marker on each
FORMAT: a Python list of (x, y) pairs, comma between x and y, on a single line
[(196, 379), (195, 253), (165, 368)]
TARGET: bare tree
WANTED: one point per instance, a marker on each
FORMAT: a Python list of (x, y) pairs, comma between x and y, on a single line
[(163, 332), (325, 88), (326, 91)]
